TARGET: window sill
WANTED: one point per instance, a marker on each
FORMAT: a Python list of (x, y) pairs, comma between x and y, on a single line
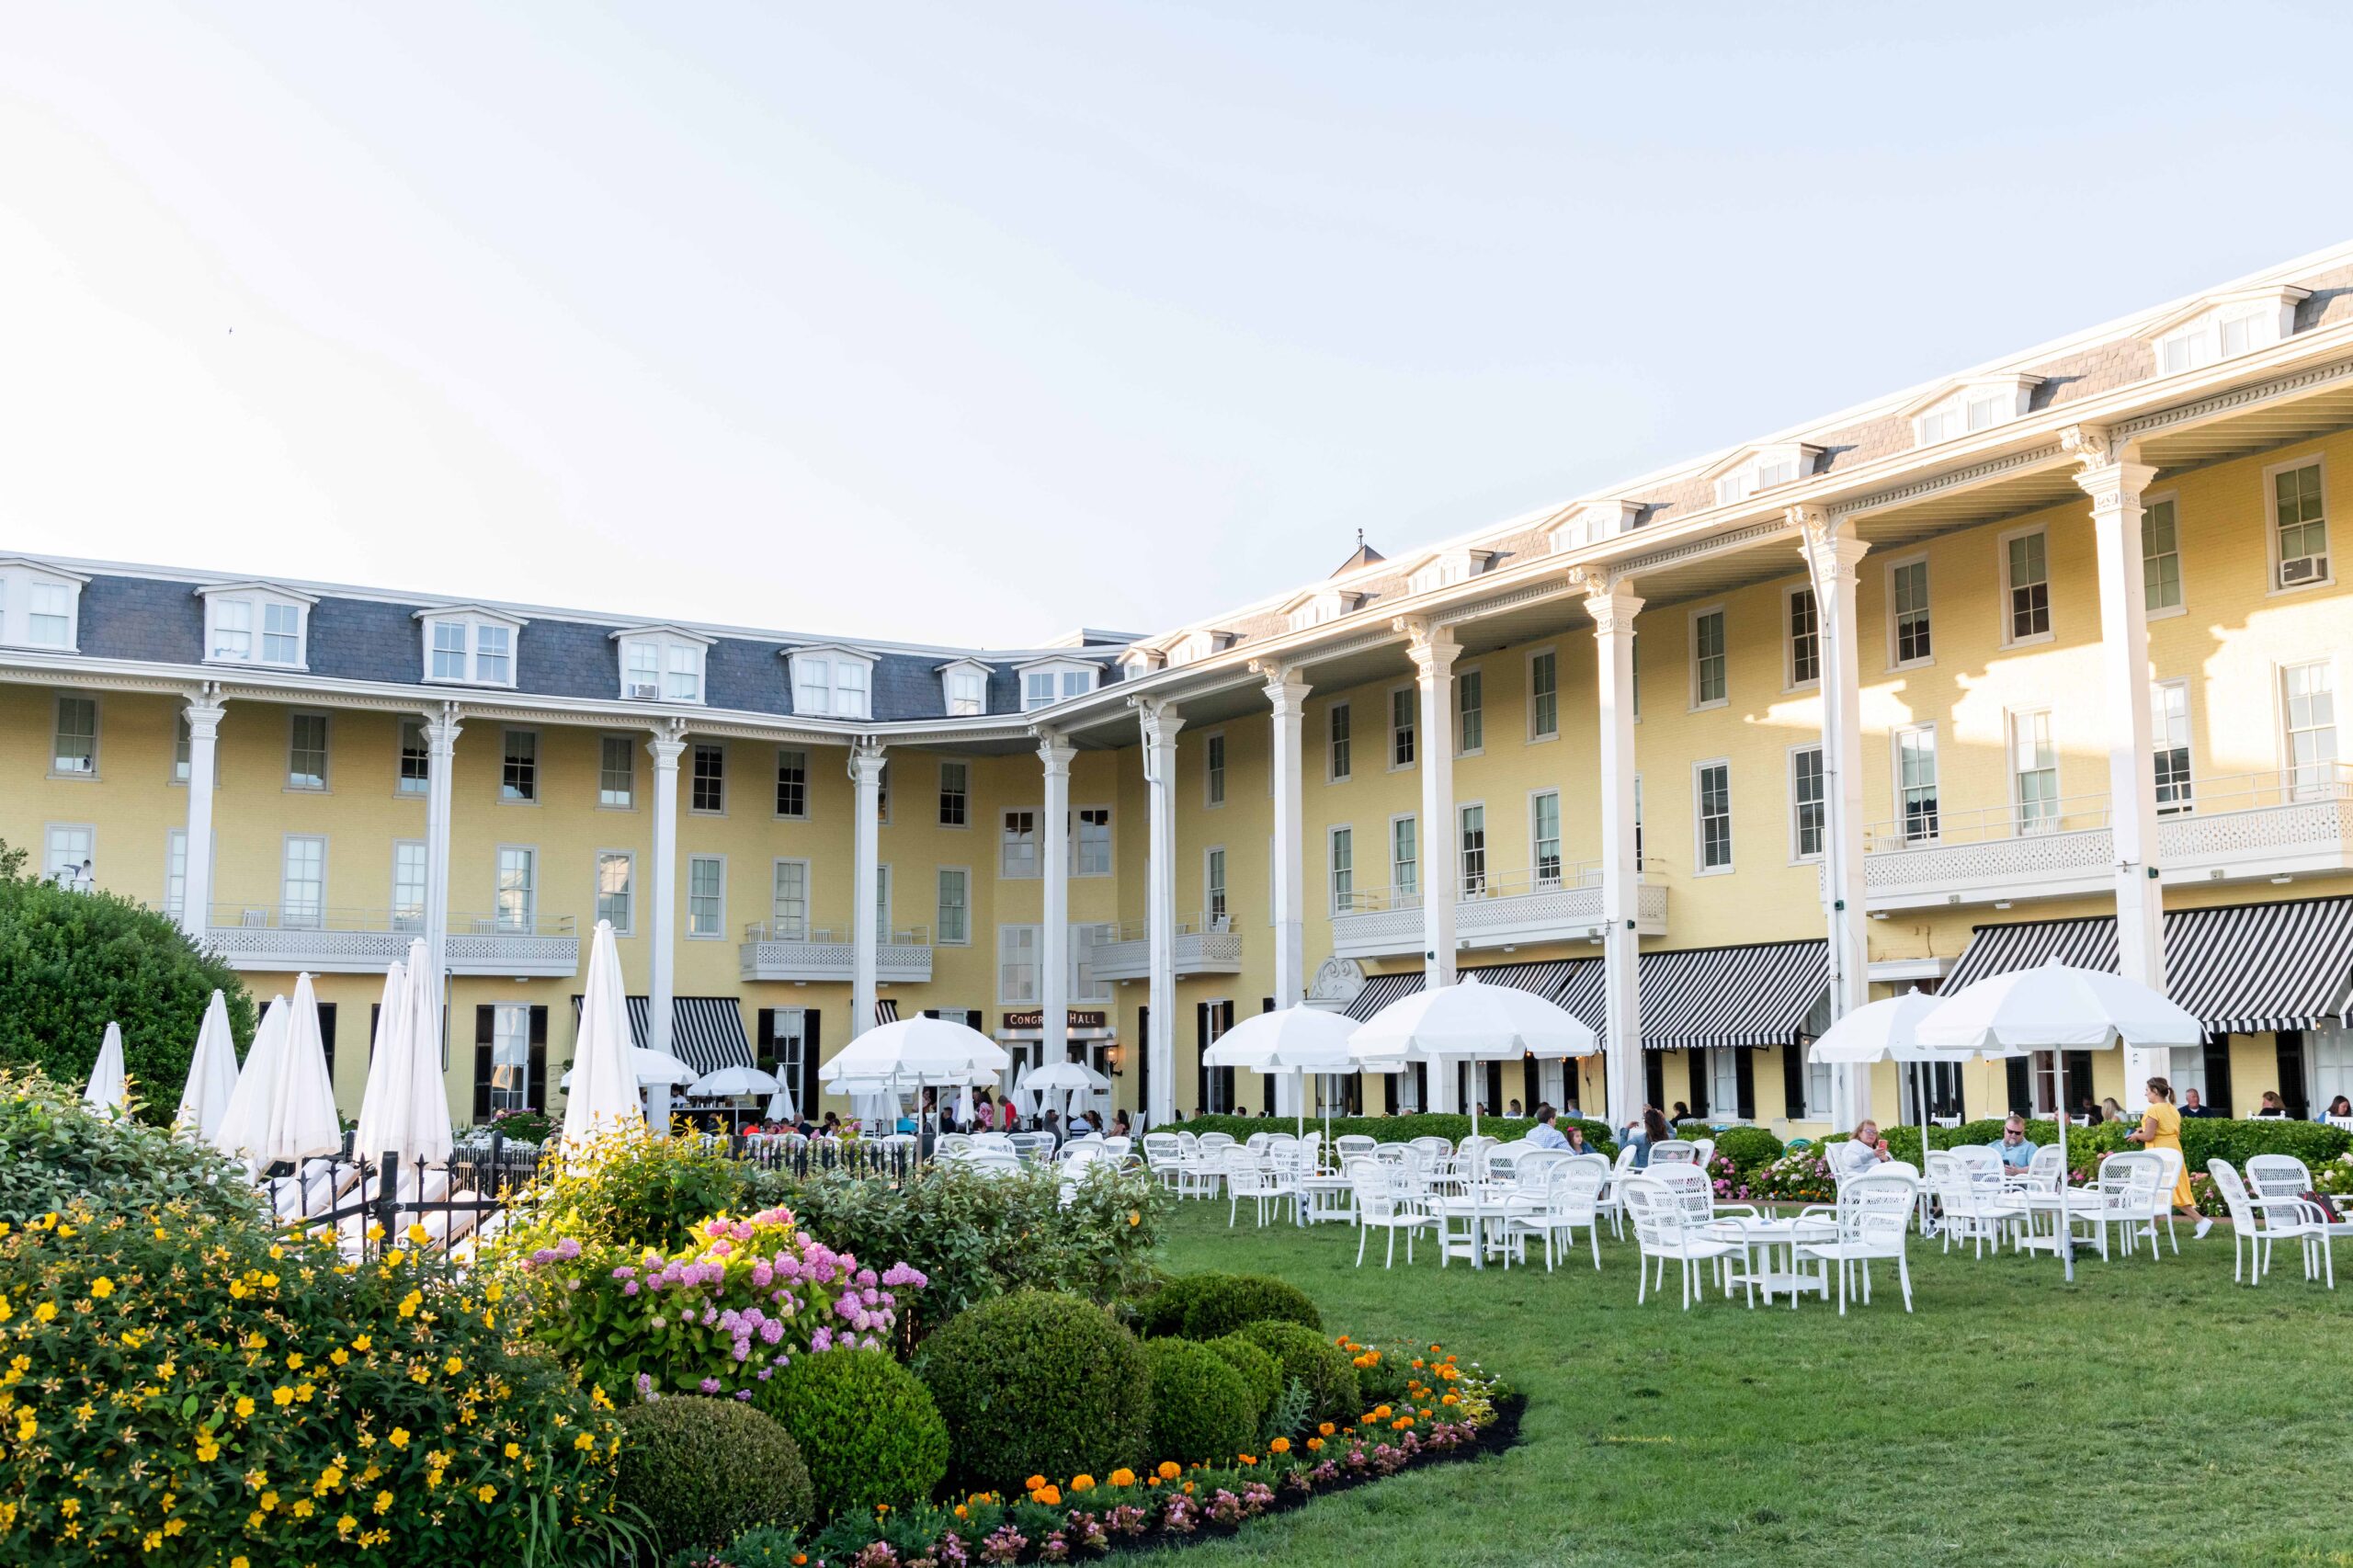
[(1543, 739), (2038, 640), (603, 807), (2173, 612), (1709, 706), (304, 790), (2285, 590), (504, 802), (1927, 664), (90, 778), (476, 685), (1716, 871), (302, 669), (1474, 751)]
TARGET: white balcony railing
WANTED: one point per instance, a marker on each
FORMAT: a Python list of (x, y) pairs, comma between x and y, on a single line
[(299, 936), (772, 950), (1205, 945), (1494, 909), (2234, 827)]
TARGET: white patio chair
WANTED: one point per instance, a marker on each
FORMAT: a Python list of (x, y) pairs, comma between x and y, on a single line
[(948, 1144), (1259, 1139), (1249, 1177), (1164, 1155), (1437, 1155), (1379, 1206), (2122, 1195), (1705, 1148), (1675, 1151), (1573, 1184), (1351, 1145), (2276, 1176), (1976, 1210), (2170, 1168), (2257, 1222), (1665, 1234), (1874, 1219), (1209, 1143), (1612, 1201), (1471, 1156)]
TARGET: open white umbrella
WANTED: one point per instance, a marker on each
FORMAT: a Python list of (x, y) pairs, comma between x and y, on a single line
[(2054, 1006), (405, 1110), (1067, 1078), (915, 1053), (1292, 1041), (1888, 1030), (729, 1082), (645, 1068), (211, 1073), (283, 1108), (1471, 1022), (607, 1087), (106, 1087)]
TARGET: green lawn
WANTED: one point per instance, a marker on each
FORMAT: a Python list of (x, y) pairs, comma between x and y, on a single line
[(2151, 1413)]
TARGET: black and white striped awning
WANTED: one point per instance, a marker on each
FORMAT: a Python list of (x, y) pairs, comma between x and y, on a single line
[(706, 1033), (1544, 978), (1580, 992), (886, 1010), (2241, 968), (1379, 990), (1757, 994)]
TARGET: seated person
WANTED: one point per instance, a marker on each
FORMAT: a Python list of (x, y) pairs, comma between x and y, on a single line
[(2340, 1106), (1513, 1109), (2272, 1104), (1576, 1143), (2194, 1104), (1866, 1150), (1544, 1135), (2016, 1152)]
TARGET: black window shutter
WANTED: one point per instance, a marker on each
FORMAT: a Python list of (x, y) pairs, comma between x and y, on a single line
[(2021, 1083), (1744, 1066), (765, 1047), (1494, 1087), (809, 1062), (1224, 1028), (2218, 1074), (1794, 1076), (326, 1037), (1388, 1093), (1697, 1061), (1422, 1085), (1530, 1086), (1202, 1045), (486, 1022), (2290, 1044), (2078, 1075), (1655, 1080), (535, 1089)]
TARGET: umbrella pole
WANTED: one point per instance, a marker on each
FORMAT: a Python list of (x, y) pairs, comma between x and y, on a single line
[(1920, 1097), (2067, 1227)]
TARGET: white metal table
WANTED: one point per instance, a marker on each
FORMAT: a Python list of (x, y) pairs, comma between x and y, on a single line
[(1483, 1212), (1769, 1257)]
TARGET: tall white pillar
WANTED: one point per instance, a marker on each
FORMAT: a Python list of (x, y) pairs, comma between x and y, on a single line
[(1433, 650), (1831, 558), (866, 761), (1160, 724), (663, 896), (1613, 606), (1287, 693), (441, 732), (1053, 868), (204, 714), (2114, 484)]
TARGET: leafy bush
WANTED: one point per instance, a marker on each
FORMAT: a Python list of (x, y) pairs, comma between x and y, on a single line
[(282, 1405), (1748, 1147), (1322, 1366), (71, 962), (1403, 1128), (1202, 1413), (703, 1470), (866, 1428), (1206, 1306), (1035, 1383), (1260, 1374), (762, 1546), (56, 1151), (627, 1189)]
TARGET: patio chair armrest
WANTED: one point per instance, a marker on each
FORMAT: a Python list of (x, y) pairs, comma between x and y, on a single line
[(1724, 1210), (1819, 1211)]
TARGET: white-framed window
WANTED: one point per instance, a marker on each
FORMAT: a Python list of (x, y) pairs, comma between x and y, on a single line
[(415, 775), (1081, 983), (1770, 466), (1091, 848), (2238, 323), (1338, 758), (789, 1029), (953, 925), (1916, 801), (73, 751), (2034, 771), (1404, 858), (306, 751), (662, 665), (1805, 622), (2309, 707), (2299, 525), (1544, 694), (1016, 965), (1044, 685), (1405, 708), (1018, 844), (882, 911), (1457, 564), (1213, 906), (518, 888), (707, 791), (510, 1056), (617, 890), (1980, 406), (2169, 738), (1544, 836), (2160, 555), (792, 783), (470, 647), (40, 607), (835, 681), (706, 896), (2026, 588), (1340, 850), (1909, 640), (1711, 815), (183, 749), (1470, 713), (518, 768), (254, 623), (1806, 803), (616, 773), (1320, 606), (1710, 680), (302, 885), (1213, 768), (965, 687), (789, 901), (955, 794), (69, 854), (175, 871), (1472, 845), (408, 884)]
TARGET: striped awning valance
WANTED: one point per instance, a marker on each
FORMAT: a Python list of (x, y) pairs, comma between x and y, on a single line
[(1721, 996), (706, 1033), (886, 1010), (1580, 993), (1379, 990), (1544, 978), (2241, 968)]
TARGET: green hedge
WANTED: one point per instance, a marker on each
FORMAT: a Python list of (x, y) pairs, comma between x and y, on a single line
[(1324, 1368), (1207, 1306), (1748, 1147), (1036, 1383), (1398, 1128), (2202, 1137), (705, 1470), (866, 1426), (1261, 1374), (1202, 1412)]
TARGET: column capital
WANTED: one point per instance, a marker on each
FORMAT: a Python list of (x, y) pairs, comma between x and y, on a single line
[(1613, 606), (441, 726), (1159, 717), (1829, 551), (867, 759), (1055, 751), (2105, 470), (206, 707), (669, 739), (1431, 646), (1287, 686)]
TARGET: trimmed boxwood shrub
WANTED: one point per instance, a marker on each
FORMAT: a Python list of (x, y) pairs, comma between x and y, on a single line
[(866, 1427), (1260, 1374), (1037, 1384), (1201, 1410), (1748, 1147), (1205, 1306), (1322, 1367), (1403, 1128), (705, 1470)]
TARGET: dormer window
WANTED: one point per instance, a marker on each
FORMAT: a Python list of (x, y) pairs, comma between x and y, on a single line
[(833, 681), (965, 685), (467, 645), (2226, 326), (1048, 681), (1974, 406), (1322, 605), (1447, 568), (257, 623), (661, 663), (1761, 468), (41, 606), (1593, 522), (1138, 662), (1197, 645)]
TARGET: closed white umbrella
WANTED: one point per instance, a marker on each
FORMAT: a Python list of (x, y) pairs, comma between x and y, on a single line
[(780, 1107), (106, 1087), (244, 1123), (2054, 1006), (1471, 1022), (606, 1090), (303, 1120), (405, 1110), (211, 1073), (1067, 1078)]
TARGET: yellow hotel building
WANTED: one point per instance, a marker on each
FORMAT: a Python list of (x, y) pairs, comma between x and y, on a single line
[(2038, 658)]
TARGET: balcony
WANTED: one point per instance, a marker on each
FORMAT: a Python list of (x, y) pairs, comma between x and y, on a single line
[(363, 941), (1496, 910), (1203, 947), (801, 954), (2232, 828)]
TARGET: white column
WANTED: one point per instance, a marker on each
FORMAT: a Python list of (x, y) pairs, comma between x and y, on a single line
[(663, 896), (204, 714), (1160, 722), (1831, 558), (1613, 608), (1054, 916), (866, 760), (441, 732), (1287, 694), (2114, 484), (1434, 651)]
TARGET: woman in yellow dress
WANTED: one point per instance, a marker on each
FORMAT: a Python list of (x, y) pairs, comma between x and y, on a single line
[(2161, 1128)]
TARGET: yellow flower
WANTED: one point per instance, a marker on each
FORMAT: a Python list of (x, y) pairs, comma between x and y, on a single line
[(361, 1343), (302, 1508), (282, 1397), (245, 1406), (1081, 1483), (1123, 1477), (417, 1235), (514, 1450), (487, 1492), (45, 1312), (346, 1525), (584, 1441), (494, 1293), (1170, 1469), (293, 1360), (102, 1287), (383, 1501), (339, 1356), (453, 1366), (400, 1437)]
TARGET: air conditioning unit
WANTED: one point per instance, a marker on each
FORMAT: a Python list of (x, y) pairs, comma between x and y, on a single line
[(2303, 569), (644, 691)]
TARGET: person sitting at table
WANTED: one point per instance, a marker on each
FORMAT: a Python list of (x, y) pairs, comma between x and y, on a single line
[(1640, 1135), (1576, 1140), (2272, 1104), (1513, 1109), (1863, 1151), (2016, 1152), (1544, 1135), (2340, 1106), (2191, 1104), (1119, 1125), (1681, 1113), (2109, 1111), (832, 1127)]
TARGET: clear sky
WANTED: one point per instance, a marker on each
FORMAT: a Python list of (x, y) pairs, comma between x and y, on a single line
[(976, 322)]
